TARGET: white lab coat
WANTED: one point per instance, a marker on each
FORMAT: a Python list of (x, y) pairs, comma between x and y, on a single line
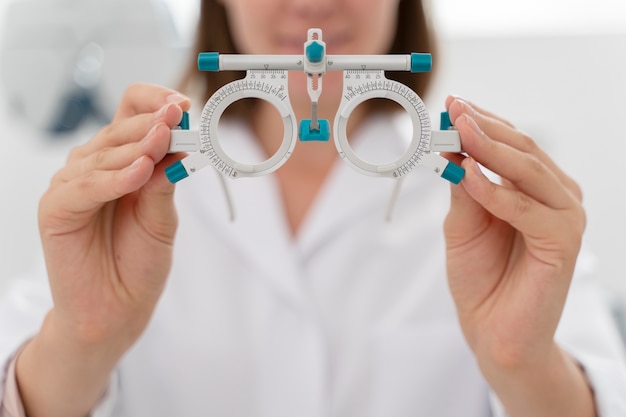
[(351, 318)]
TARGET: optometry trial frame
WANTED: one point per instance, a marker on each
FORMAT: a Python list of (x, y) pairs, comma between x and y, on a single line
[(266, 78)]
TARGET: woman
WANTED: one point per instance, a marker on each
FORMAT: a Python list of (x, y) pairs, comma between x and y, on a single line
[(310, 304)]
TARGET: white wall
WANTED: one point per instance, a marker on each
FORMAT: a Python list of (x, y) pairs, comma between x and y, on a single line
[(28, 162), (567, 91), (30, 158), (26, 165), (487, 18)]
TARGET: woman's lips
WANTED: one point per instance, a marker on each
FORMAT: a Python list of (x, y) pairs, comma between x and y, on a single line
[(295, 45)]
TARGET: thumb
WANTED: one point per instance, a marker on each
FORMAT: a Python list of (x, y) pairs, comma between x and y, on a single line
[(155, 204), (466, 216)]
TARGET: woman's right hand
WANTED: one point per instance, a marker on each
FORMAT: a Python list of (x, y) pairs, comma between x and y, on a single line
[(107, 225), (107, 222)]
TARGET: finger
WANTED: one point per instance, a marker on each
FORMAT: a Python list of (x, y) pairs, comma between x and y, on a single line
[(154, 145), (495, 127), (525, 171), (514, 207), (502, 131), (147, 98), (67, 206), (466, 216), (126, 131), (144, 134), (155, 206), (477, 109), (132, 129)]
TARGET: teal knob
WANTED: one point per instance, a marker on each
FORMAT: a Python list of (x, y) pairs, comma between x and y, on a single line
[(315, 52), (421, 62), (453, 173), (209, 61), (176, 172), (184, 122), (444, 122)]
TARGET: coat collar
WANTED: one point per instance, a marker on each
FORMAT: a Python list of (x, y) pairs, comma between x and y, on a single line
[(348, 195)]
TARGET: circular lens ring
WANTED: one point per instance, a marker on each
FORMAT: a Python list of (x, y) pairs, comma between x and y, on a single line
[(355, 93), (270, 86)]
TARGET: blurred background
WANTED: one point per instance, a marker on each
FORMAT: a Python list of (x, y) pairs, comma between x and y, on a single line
[(556, 68)]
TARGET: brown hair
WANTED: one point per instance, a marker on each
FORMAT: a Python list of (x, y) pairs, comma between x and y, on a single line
[(413, 34)]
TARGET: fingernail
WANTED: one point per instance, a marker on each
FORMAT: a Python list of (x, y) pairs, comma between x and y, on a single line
[(475, 168), (136, 163), (459, 107), (472, 123), (159, 113), (467, 108), (453, 97), (450, 99), (149, 135), (176, 98)]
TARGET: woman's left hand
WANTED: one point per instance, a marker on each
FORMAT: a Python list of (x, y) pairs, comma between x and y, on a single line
[(511, 246)]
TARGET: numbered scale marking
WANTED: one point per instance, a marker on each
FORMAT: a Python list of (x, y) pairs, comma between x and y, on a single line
[(360, 86), (266, 79), (267, 85)]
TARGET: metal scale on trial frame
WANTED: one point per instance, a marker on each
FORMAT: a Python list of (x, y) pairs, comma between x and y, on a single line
[(266, 78)]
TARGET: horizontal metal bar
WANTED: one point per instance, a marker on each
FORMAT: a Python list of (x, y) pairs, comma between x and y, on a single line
[(235, 62)]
